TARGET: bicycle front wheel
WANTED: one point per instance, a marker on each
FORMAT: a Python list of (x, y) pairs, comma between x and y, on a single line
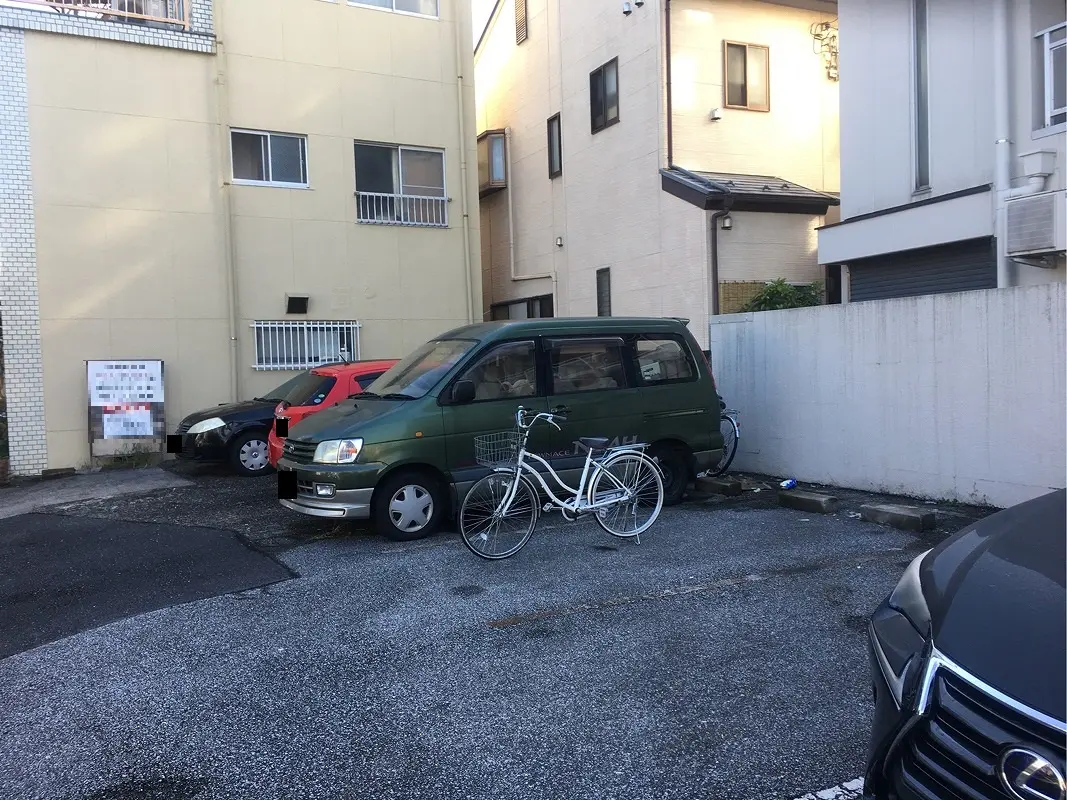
[(635, 480), (729, 445), (491, 531)]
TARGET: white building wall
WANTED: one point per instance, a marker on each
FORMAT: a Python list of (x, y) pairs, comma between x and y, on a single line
[(951, 396)]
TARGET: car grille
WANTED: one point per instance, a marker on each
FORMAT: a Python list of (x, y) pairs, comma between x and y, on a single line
[(184, 428), (953, 754), (305, 487), (298, 452)]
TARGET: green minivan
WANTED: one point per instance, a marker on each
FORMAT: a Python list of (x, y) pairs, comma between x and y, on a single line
[(402, 452)]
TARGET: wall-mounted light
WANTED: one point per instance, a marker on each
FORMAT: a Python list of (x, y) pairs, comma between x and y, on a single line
[(715, 114), (727, 223), (559, 241), (627, 9), (639, 3)]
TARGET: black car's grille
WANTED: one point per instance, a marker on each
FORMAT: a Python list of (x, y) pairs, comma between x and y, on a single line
[(953, 754), (184, 428), (298, 452)]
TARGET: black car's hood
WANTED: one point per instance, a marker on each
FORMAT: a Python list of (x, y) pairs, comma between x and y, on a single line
[(244, 411), (344, 419), (996, 597)]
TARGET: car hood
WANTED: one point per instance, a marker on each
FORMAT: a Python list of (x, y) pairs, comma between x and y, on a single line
[(996, 597), (344, 419), (235, 412)]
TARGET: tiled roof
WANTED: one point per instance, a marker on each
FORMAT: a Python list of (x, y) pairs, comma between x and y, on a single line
[(753, 192)]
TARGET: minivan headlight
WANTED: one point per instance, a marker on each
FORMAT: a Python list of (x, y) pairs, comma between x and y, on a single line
[(900, 627), (338, 451), (206, 425)]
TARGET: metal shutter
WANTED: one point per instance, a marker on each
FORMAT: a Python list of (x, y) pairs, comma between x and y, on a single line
[(956, 267), (520, 21)]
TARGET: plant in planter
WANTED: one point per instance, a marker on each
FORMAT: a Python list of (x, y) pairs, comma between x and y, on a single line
[(778, 295)]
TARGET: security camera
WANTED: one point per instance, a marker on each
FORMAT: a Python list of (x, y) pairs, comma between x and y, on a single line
[(627, 9)]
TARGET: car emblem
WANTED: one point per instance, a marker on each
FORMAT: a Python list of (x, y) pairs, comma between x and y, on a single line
[(1028, 776), (289, 448)]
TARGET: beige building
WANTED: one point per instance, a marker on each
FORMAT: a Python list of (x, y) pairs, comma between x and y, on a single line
[(179, 175), (630, 152)]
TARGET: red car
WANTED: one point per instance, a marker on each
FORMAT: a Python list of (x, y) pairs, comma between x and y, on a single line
[(337, 382)]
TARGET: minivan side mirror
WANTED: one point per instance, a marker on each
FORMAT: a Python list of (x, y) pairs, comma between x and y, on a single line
[(463, 392)]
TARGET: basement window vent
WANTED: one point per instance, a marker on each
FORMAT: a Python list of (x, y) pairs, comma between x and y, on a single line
[(303, 344)]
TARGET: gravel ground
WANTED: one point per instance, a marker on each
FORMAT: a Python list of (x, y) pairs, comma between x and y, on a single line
[(723, 657)]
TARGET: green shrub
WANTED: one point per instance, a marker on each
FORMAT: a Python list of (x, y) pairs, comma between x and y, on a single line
[(778, 294)]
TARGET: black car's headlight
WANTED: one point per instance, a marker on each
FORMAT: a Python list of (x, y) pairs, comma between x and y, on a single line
[(901, 626)]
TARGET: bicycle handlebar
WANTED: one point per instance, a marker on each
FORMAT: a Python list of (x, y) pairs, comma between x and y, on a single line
[(522, 424)]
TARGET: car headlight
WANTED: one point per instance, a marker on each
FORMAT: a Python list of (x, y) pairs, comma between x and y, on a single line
[(901, 626), (207, 425), (338, 451)]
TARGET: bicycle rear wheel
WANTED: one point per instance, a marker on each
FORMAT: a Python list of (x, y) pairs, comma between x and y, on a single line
[(637, 478), (730, 435), (493, 533)]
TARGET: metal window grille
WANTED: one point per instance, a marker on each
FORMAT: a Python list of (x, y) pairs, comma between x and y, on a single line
[(302, 344), (143, 12)]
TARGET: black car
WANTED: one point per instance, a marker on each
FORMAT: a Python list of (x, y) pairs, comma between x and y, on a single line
[(236, 433), (968, 662)]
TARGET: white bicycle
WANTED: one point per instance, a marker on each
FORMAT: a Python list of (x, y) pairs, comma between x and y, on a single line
[(620, 486)]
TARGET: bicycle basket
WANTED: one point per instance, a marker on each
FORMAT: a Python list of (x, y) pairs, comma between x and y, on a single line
[(497, 449)]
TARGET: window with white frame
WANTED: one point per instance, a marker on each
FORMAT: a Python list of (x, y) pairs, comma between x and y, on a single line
[(303, 344), (422, 8), (397, 185), (1052, 44), (270, 159)]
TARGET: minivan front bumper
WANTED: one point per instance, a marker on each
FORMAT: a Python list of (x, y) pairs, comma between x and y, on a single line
[(345, 504)]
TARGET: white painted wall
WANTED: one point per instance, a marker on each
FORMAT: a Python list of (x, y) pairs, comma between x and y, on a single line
[(951, 396)]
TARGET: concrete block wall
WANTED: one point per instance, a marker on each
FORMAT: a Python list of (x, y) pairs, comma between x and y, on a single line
[(957, 396), (19, 305)]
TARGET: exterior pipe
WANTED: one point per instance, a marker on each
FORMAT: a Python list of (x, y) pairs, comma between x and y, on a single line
[(714, 250), (668, 92), (1034, 184), (223, 110), (1001, 134), (461, 111)]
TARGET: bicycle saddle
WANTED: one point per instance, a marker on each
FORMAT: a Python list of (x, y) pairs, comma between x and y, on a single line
[(594, 442)]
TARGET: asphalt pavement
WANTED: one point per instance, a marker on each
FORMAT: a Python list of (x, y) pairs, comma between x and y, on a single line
[(724, 656)]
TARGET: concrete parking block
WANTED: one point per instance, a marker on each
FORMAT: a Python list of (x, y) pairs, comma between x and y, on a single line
[(808, 501), (731, 487), (907, 518)]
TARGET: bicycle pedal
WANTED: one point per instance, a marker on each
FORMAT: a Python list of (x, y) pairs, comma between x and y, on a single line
[(548, 507)]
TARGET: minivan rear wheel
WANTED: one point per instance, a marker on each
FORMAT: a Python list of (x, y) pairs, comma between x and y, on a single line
[(408, 505), (674, 463)]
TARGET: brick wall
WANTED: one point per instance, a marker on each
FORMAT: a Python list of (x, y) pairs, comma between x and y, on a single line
[(19, 308)]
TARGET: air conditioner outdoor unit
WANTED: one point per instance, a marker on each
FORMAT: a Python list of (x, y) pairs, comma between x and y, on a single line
[(1037, 227)]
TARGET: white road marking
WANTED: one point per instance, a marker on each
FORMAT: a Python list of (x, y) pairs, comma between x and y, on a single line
[(849, 790)]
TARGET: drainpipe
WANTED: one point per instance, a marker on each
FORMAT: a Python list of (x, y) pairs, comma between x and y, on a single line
[(223, 110), (728, 201), (668, 92), (511, 228), (1001, 133), (461, 111)]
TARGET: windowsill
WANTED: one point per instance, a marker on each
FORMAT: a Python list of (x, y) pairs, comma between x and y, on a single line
[(747, 108), (922, 193), (394, 11), (595, 131), (1051, 130), (269, 184)]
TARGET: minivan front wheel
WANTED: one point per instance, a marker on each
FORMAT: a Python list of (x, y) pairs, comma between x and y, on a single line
[(674, 464), (408, 505)]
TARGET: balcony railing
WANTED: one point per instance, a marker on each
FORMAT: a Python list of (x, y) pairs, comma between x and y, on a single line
[(168, 13), (375, 208)]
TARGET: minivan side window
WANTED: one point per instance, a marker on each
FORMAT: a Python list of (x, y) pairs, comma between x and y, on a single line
[(586, 365), (504, 372), (662, 359)]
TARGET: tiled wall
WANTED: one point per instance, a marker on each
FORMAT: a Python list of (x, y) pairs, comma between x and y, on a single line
[(200, 38), (19, 308)]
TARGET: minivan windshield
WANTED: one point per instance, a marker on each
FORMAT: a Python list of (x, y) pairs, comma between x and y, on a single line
[(422, 370)]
